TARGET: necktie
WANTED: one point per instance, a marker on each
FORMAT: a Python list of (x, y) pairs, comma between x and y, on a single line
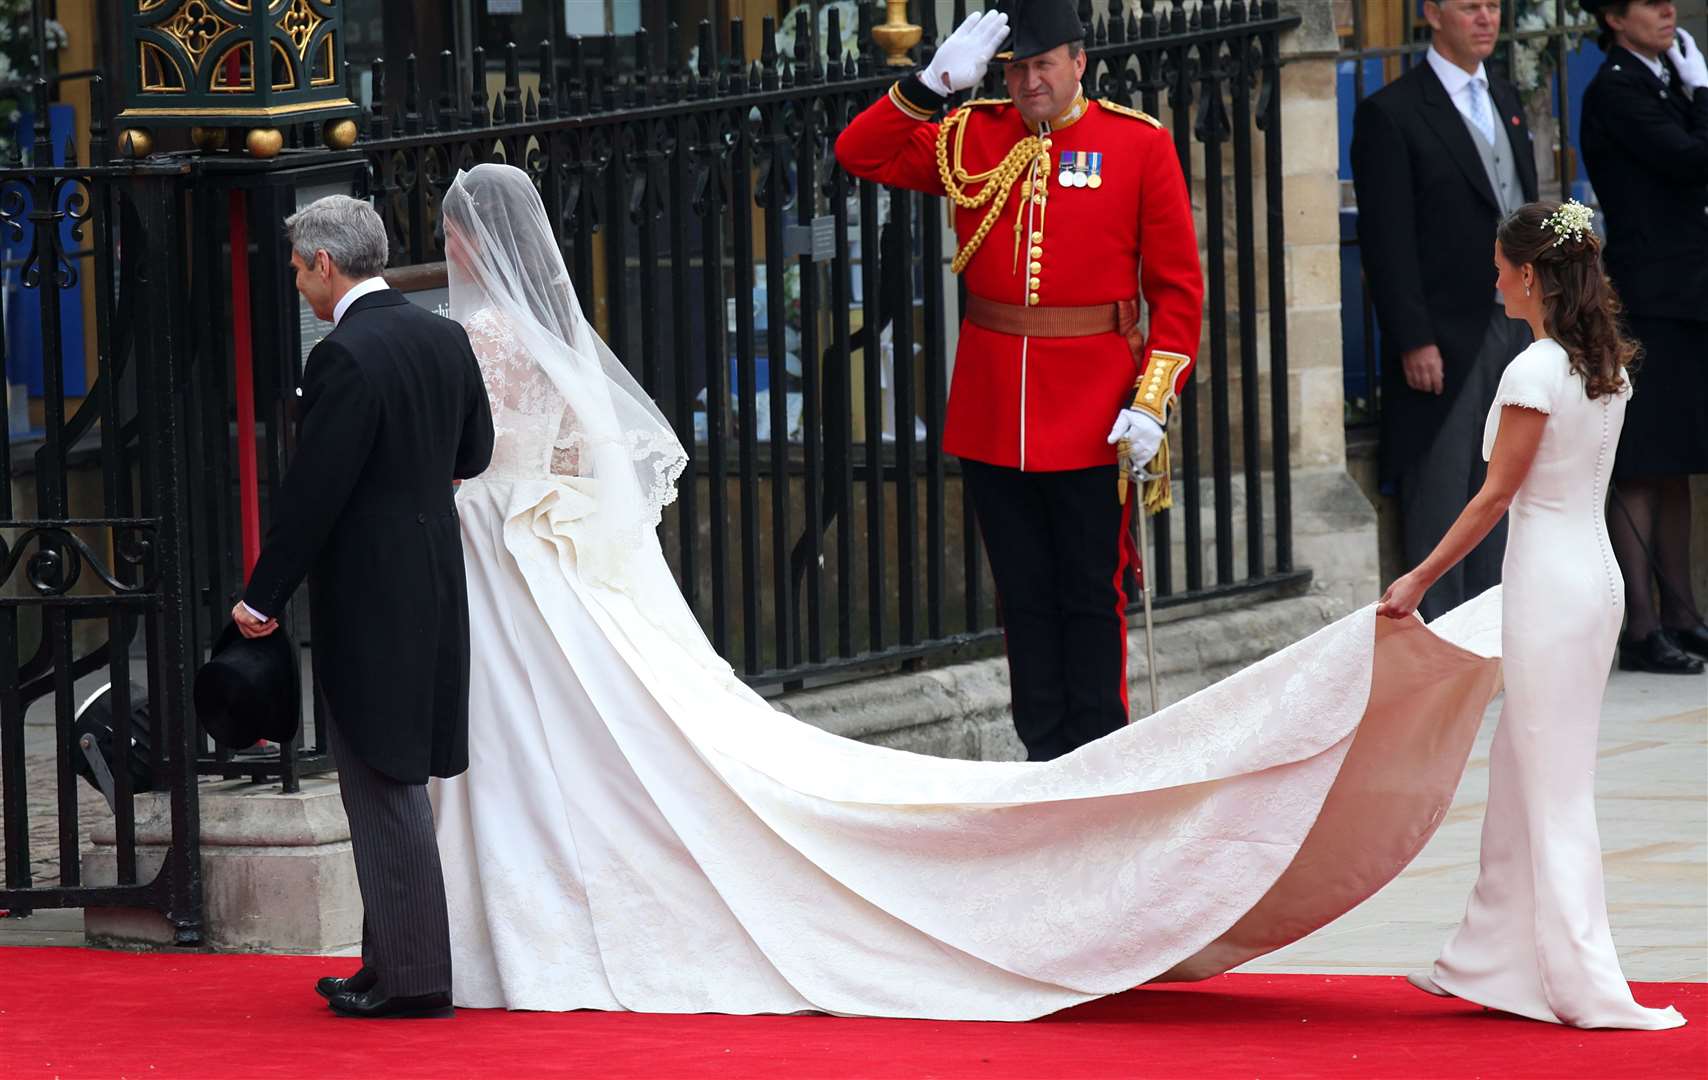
[(1480, 113)]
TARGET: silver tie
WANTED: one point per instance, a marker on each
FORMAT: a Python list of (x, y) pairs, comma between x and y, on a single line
[(1480, 113)]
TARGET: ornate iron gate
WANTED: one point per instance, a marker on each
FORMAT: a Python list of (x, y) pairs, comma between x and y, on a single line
[(94, 553)]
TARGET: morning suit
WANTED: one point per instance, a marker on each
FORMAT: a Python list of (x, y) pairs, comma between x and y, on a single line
[(392, 409), (1431, 191)]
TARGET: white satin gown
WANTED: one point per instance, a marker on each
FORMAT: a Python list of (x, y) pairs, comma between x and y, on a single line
[(638, 830), (1535, 940)]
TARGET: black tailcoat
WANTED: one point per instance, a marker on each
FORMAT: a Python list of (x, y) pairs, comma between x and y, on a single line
[(1426, 226), (392, 409)]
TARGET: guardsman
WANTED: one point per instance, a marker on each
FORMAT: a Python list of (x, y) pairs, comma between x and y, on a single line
[(1066, 210)]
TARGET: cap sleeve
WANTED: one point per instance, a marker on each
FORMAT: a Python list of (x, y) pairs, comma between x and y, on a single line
[(1531, 381)]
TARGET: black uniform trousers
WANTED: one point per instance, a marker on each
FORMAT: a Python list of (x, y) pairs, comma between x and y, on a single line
[(406, 939), (1060, 553)]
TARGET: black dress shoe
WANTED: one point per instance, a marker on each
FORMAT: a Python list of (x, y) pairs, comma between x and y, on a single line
[(1692, 639), (1657, 654), (360, 982), (370, 1005)]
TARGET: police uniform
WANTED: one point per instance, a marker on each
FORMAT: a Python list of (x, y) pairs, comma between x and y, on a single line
[(1060, 228), (1645, 147)]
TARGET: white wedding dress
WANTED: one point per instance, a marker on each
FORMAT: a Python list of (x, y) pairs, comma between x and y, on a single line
[(638, 830)]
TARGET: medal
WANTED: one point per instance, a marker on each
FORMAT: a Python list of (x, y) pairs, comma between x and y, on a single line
[(1065, 176), (1095, 180), (1079, 168)]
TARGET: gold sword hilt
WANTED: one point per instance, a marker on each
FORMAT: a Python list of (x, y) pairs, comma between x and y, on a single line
[(1123, 469)]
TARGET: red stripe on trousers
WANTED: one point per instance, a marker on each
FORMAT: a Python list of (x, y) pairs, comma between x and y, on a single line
[(1128, 557)]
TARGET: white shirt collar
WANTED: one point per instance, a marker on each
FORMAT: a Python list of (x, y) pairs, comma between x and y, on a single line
[(1654, 65), (357, 291), (1453, 78)]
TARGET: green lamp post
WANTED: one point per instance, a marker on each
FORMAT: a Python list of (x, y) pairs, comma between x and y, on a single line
[(234, 66)]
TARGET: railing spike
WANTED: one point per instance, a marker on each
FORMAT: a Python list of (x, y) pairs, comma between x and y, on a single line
[(512, 84), (482, 113), (768, 73), (548, 80)]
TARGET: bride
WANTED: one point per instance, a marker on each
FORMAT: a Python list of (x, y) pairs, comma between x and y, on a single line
[(638, 830)]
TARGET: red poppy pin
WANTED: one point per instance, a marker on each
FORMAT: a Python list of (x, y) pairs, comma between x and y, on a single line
[(1515, 121)]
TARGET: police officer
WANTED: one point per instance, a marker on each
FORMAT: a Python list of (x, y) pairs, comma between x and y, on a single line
[(1065, 210), (1645, 146)]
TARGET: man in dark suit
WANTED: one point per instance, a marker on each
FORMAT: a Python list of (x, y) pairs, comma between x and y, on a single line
[(1645, 146), (393, 408), (1439, 157)]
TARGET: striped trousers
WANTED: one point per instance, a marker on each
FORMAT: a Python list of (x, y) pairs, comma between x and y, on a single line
[(406, 939)]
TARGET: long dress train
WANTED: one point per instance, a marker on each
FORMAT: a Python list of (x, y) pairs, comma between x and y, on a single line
[(638, 830)]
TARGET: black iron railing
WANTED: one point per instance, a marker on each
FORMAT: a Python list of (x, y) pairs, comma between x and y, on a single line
[(102, 536), (812, 536)]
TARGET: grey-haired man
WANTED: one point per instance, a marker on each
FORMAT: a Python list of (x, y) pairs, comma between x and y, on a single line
[(393, 409)]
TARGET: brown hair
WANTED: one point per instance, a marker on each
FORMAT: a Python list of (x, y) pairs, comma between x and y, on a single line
[(1579, 307)]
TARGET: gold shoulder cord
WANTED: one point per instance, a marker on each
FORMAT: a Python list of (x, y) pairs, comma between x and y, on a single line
[(998, 182)]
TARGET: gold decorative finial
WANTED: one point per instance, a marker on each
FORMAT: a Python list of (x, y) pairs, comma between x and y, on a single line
[(208, 139), (264, 142), (896, 35), (340, 134), (136, 142)]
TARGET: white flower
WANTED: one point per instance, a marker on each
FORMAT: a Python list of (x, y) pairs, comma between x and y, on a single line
[(1570, 221)]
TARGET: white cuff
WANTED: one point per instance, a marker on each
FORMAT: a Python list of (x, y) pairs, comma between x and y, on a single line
[(253, 612)]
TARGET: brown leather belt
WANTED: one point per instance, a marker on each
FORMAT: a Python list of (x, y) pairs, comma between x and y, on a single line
[(1052, 322)]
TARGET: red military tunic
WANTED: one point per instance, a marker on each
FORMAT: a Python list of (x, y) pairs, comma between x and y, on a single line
[(1046, 403)]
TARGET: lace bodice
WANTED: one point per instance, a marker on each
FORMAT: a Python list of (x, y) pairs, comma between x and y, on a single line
[(532, 423)]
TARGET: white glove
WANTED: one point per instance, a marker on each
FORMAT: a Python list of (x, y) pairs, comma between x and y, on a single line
[(960, 62), (1686, 56), (1143, 433)]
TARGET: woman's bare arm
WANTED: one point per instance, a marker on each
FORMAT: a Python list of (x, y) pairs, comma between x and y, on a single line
[(1514, 451)]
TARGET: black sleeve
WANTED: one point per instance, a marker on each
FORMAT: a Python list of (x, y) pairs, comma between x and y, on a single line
[(474, 448), (340, 418), (1651, 133), (1387, 227)]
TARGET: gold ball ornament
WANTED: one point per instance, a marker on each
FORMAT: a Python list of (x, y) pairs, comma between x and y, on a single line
[(264, 142), (340, 134), (136, 142), (208, 139)]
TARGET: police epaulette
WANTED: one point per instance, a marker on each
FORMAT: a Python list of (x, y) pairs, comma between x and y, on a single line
[(1122, 110)]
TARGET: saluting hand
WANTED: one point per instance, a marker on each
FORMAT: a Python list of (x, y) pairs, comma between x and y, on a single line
[(1686, 56), (960, 62)]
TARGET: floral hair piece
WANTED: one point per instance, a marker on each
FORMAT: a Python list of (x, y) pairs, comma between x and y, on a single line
[(1570, 221)]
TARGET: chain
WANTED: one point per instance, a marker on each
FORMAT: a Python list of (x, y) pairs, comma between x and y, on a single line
[(998, 182)]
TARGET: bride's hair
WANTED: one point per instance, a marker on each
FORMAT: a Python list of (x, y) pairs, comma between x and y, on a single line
[(1580, 309)]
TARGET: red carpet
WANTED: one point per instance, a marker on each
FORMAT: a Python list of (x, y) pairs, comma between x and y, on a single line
[(83, 1013)]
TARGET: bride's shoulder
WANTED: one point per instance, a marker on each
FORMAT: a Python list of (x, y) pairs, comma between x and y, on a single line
[(486, 320), (491, 329)]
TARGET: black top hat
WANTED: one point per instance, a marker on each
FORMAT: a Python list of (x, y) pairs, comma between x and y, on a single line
[(1039, 26), (249, 690)]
